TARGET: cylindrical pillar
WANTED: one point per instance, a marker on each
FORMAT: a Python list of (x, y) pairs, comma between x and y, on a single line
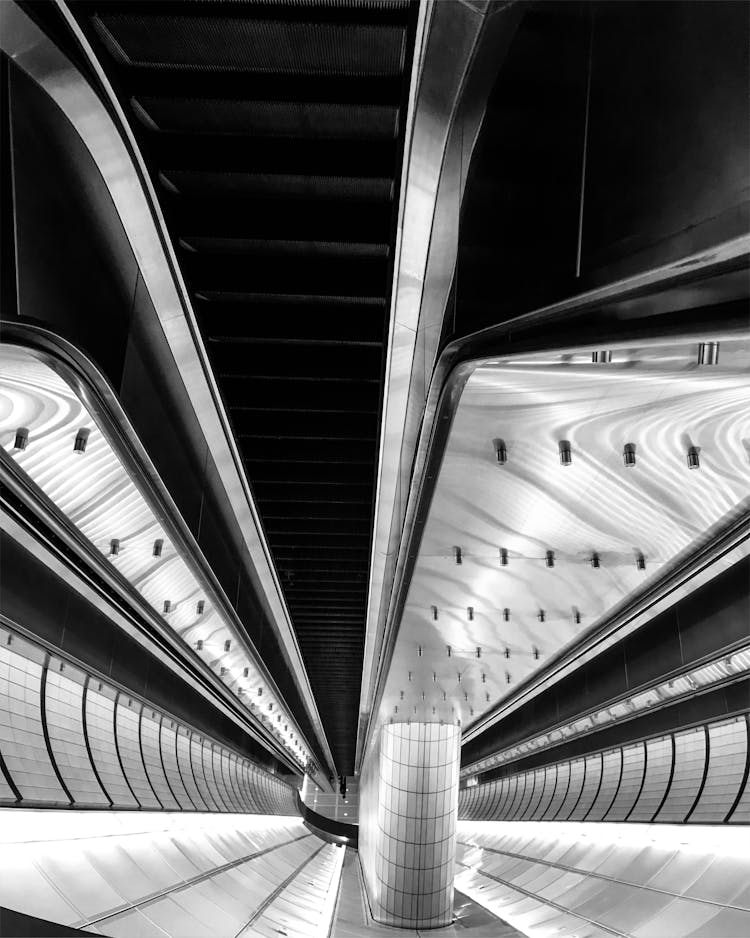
[(408, 824)]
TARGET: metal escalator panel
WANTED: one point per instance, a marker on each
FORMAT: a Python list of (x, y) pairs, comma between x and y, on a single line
[(273, 134)]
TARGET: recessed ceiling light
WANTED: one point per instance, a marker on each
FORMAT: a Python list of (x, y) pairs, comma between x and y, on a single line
[(81, 440)]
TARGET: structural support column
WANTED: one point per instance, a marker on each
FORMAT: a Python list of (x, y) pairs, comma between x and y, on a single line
[(408, 810)]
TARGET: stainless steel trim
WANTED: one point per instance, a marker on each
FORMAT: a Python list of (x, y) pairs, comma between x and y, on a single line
[(114, 150), (439, 141), (101, 401), (460, 359)]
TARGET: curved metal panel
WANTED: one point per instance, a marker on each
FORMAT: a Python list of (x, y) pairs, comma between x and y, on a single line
[(633, 774), (63, 704), (125, 175), (659, 761), (108, 749), (607, 879), (169, 874), (687, 776), (727, 760), (609, 787), (97, 491), (656, 780), (22, 737)]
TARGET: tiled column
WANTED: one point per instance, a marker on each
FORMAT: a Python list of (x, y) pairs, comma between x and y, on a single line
[(408, 807)]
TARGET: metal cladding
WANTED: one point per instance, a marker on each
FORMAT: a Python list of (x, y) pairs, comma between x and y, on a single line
[(273, 135)]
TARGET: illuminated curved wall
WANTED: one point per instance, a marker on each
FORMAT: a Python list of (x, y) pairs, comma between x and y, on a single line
[(407, 824), (69, 739), (217, 876), (98, 493), (699, 775), (608, 880)]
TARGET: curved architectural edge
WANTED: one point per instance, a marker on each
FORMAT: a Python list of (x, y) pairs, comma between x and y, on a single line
[(573, 879), (697, 775), (442, 125), (100, 402), (115, 153), (597, 319), (74, 738)]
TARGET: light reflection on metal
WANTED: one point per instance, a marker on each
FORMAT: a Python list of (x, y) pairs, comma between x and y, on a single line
[(81, 441), (104, 130), (699, 678), (98, 495), (708, 353)]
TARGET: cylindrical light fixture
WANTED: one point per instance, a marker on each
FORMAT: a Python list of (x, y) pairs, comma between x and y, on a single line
[(458, 555), (595, 560), (640, 561), (693, 458), (81, 440), (503, 557), (566, 456), (22, 439), (708, 353), (541, 615), (549, 558), (628, 455), (501, 452), (602, 357), (158, 547), (114, 547), (506, 614)]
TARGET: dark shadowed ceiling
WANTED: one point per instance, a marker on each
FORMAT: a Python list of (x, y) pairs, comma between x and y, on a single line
[(273, 133)]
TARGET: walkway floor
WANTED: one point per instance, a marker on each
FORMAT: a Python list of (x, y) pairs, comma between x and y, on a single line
[(352, 919)]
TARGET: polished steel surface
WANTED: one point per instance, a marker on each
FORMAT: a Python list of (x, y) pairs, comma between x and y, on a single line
[(639, 881), (441, 130), (94, 490), (462, 663), (127, 180), (352, 918), (153, 875), (697, 776), (71, 737)]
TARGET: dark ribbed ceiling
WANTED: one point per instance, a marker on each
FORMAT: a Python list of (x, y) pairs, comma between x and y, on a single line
[(273, 133)]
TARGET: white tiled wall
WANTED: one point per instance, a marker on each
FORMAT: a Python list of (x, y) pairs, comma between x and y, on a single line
[(698, 775), (408, 801), (69, 739)]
